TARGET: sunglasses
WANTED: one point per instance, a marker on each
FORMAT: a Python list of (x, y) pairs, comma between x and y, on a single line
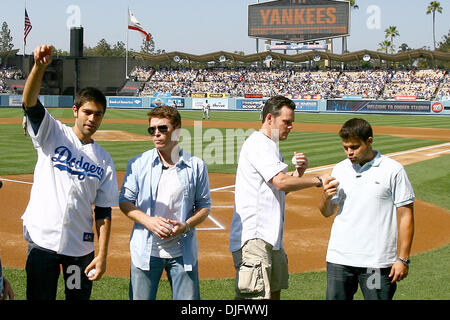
[(162, 129)]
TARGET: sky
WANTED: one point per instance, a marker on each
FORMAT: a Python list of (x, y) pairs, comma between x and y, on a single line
[(204, 26)]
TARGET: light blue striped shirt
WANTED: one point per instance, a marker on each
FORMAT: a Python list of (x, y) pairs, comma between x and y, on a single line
[(139, 187)]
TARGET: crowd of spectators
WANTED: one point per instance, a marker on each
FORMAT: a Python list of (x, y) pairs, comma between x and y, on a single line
[(368, 84), (177, 82), (141, 73), (312, 83), (422, 84), (444, 90), (9, 73)]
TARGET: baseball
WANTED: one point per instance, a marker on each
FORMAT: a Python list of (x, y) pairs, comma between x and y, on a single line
[(294, 161), (91, 273)]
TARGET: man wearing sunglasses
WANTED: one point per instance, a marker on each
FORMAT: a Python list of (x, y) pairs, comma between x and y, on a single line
[(166, 193)]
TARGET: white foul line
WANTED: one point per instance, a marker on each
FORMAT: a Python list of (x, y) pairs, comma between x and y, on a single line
[(16, 181), (419, 149), (433, 154)]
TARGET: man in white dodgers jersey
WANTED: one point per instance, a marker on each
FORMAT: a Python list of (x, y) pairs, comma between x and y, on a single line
[(72, 173)]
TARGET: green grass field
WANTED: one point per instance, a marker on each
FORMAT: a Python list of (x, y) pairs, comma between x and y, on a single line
[(427, 279)]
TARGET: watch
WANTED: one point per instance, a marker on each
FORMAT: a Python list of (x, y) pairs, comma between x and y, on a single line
[(188, 228), (406, 262), (321, 182)]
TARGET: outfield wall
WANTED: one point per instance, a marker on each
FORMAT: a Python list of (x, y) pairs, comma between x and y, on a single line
[(251, 104)]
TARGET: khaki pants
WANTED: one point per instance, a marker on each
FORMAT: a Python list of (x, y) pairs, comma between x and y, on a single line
[(260, 270)]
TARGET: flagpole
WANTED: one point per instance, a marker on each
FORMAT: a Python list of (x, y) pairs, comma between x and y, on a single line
[(126, 50), (23, 60)]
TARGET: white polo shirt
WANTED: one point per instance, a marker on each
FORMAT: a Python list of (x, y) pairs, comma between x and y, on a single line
[(69, 178), (364, 231), (258, 206)]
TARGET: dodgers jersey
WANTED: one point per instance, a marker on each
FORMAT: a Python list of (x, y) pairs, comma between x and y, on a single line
[(69, 178)]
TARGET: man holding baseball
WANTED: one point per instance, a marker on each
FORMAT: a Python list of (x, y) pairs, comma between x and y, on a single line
[(372, 233), (72, 174), (256, 236)]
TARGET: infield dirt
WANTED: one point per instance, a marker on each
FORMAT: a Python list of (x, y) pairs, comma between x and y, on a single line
[(306, 235)]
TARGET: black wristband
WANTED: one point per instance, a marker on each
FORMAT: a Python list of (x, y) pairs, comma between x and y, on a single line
[(321, 182)]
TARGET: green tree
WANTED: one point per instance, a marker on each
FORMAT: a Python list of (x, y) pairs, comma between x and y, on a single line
[(403, 47), (118, 50), (148, 46), (103, 49), (5, 38), (432, 8), (444, 45), (384, 46), (60, 52), (391, 33)]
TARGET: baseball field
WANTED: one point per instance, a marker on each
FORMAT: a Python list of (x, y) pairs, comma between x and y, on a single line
[(421, 143)]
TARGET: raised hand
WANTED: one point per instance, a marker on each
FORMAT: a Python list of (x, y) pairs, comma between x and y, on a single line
[(43, 55)]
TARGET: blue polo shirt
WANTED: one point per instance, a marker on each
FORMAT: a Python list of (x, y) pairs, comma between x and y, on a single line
[(140, 186)]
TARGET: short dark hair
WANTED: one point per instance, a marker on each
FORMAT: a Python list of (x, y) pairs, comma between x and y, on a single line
[(166, 112), (90, 94), (356, 128), (275, 104)]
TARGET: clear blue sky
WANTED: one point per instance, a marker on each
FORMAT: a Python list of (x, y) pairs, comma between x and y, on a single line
[(203, 26)]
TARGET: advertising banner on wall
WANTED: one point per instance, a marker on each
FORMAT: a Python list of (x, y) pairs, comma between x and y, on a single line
[(250, 104), (15, 101), (125, 102), (379, 106), (214, 103), (257, 104), (308, 105), (164, 101)]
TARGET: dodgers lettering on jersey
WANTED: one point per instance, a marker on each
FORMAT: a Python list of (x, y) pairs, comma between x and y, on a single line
[(65, 162), (69, 178)]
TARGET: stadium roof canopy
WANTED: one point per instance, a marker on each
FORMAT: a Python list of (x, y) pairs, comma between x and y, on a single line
[(302, 57)]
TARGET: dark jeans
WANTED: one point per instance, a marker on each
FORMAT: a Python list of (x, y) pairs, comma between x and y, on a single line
[(342, 282), (43, 268)]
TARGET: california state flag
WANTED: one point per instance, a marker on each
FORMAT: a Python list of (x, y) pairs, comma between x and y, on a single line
[(133, 24)]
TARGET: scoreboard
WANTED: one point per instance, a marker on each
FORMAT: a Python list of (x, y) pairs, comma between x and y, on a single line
[(299, 20)]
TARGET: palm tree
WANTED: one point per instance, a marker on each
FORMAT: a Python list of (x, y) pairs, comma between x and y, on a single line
[(432, 8), (391, 33), (385, 45)]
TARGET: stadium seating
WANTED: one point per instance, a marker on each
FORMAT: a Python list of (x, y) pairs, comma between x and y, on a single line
[(8, 76), (444, 90), (421, 84), (238, 82)]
